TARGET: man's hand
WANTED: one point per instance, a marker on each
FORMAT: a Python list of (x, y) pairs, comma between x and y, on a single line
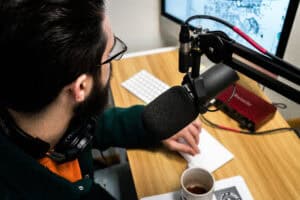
[(191, 136)]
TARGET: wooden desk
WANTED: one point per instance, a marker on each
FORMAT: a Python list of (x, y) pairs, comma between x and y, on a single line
[(269, 164)]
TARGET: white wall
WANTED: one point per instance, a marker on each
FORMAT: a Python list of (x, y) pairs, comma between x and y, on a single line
[(136, 22)]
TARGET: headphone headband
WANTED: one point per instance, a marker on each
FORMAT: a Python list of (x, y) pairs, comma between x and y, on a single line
[(73, 142)]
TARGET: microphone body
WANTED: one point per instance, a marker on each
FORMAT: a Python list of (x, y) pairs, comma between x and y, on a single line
[(177, 107), (217, 79), (184, 49)]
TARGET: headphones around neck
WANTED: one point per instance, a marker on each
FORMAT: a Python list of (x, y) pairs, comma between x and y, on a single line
[(74, 141)]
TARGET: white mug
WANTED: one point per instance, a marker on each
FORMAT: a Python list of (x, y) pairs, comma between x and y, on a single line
[(197, 184)]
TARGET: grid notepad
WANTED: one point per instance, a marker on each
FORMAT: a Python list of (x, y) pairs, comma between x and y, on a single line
[(145, 86)]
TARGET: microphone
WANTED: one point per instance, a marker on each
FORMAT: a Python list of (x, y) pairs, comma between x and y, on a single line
[(177, 107), (169, 113), (184, 49)]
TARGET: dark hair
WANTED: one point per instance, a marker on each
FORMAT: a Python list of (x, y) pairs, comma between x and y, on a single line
[(45, 45)]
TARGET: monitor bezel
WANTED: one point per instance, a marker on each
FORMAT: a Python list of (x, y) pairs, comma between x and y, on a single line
[(286, 29)]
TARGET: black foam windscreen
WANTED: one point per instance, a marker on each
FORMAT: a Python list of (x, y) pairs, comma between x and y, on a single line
[(169, 113)]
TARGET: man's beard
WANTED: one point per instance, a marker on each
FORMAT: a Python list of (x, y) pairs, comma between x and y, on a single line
[(85, 114), (95, 103)]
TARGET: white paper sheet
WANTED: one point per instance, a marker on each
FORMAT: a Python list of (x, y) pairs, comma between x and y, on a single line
[(212, 156)]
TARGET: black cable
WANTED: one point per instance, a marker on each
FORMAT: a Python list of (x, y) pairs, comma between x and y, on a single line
[(236, 30), (211, 18), (214, 125), (280, 105)]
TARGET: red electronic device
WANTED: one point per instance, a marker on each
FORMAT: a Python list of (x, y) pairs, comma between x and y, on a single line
[(248, 109)]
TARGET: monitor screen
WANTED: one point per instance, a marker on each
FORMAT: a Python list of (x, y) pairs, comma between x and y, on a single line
[(268, 22)]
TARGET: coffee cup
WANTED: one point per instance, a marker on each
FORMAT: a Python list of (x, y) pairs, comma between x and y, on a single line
[(197, 184)]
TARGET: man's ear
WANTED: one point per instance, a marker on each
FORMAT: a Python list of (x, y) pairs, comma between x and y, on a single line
[(81, 87)]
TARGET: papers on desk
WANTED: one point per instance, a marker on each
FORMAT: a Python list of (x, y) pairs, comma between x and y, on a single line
[(212, 153), (229, 188)]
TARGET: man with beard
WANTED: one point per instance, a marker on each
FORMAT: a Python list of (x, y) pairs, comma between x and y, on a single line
[(55, 71)]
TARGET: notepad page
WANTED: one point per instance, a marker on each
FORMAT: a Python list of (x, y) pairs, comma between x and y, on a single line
[(212, 154), (145, 86)]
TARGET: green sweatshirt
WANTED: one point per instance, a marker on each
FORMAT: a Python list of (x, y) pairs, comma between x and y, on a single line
[(22, 177)]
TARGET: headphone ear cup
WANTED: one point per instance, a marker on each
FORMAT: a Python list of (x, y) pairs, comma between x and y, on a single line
[(74, 141)]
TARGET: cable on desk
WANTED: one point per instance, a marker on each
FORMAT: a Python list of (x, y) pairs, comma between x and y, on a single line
[(280, 105), (214, 125)]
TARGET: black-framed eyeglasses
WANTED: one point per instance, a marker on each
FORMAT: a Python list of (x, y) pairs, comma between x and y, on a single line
[(118, 50)]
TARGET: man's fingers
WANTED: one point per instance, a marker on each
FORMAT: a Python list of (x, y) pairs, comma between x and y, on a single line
[(195, 132), (190, 140), (197, 123), (186, 140), (185, 148)]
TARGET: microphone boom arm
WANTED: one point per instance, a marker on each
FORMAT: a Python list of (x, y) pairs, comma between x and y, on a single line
[(219, 48)]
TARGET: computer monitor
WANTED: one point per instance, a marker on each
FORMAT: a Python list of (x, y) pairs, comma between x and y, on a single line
[(268, 22)]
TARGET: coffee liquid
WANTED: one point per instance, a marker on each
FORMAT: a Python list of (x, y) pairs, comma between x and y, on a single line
[(196, 189)]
